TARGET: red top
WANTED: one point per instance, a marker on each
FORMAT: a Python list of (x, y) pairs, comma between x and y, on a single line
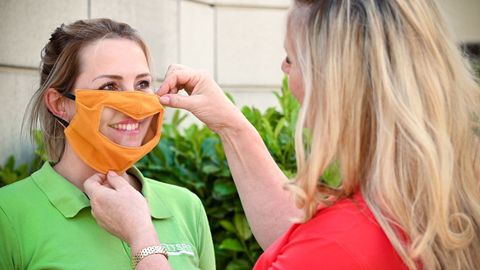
[(343, 236)]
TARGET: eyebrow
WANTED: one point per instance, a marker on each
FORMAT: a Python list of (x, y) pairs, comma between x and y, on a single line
[(118, 77)]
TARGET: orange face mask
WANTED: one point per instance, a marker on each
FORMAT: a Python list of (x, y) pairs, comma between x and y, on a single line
[(97, 150)]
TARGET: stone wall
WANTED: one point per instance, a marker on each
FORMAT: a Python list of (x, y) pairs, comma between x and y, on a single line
[(239, 41)]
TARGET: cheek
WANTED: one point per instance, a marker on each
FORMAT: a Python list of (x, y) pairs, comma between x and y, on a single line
[(106, 116), (146, 123), (285, 67), (70, 110), (295, 83)]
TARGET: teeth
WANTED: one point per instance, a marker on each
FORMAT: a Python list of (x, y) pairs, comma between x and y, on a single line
[(127, 127)]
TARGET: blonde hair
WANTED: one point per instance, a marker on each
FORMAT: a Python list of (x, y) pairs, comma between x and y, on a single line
[(60, 67), (389, 97)]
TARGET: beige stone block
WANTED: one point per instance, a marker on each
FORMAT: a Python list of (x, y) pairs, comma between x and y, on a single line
[(261, 98), (463, 18), (197, 35), (27, 25), (255, 3), (16, 89), (250, 46), (250, 3), (156, 21)]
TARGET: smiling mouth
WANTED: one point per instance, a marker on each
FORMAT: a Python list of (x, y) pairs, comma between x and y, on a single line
[(126, 127)]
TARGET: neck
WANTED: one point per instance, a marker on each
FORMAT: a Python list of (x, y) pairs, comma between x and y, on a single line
[(72, 168)]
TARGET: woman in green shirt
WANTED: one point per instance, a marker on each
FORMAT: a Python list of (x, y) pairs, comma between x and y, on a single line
[(45, 219)]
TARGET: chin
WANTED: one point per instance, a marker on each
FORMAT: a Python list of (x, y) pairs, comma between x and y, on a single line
[(130, 143), (126, 140)]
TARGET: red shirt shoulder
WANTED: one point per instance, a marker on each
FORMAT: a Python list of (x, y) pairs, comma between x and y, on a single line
[(343, 236)]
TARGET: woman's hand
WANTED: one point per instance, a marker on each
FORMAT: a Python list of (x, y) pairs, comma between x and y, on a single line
[(119, 208), (206, 99), (124, 212)]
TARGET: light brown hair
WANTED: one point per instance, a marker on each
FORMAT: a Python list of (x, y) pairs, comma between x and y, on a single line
[(60, 67)]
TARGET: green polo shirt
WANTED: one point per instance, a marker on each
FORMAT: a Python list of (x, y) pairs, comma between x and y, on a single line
[(46, 223)]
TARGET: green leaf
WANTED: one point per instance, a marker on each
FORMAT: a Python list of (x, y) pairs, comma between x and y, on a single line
[(10, 165), (8, 177), (22, 171), (223, 188), (239, 265), (210, 168), (280, 125), (230, 96), (242, 227), (178, 118), (227, 225), (208, 147), (231, 244)]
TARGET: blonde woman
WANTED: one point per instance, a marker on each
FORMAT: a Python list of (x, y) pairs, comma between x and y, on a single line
[(387, 95)]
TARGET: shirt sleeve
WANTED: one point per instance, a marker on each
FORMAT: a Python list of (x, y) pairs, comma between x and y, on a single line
[(205, 242), (315, 253), (9, 250)]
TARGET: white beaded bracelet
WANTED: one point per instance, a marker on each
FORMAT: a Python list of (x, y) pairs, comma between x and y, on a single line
[(147, 252)]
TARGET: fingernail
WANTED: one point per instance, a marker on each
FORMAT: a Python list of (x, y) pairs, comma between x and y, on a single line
[(112, 173), (165, 99)]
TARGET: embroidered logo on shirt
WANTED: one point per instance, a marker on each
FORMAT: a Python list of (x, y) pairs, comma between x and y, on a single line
[(179, 249)]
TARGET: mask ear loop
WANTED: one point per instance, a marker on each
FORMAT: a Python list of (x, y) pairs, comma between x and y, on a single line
[(60, 120), (69, 96)]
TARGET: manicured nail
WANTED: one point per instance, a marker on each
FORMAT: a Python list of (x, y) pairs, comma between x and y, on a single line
[(112, 173), (164, 99)]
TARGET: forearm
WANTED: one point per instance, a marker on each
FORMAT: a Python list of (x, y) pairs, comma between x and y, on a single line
[(268, 206)]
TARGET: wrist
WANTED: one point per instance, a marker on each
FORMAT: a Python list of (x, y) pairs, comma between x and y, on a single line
[(145, 236), (148, 251), (235, 128)]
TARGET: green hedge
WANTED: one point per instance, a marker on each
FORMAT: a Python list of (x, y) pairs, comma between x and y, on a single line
[(11, 172)]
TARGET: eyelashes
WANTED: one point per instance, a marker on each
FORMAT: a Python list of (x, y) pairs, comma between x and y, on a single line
[(287, 60), (113, 86), (144, 84), (108, 86)]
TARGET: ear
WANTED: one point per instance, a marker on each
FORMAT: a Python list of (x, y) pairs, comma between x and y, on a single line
[(55, 103)]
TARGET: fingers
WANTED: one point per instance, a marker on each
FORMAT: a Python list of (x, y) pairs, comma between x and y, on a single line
[(93, 183), (178, 101), (179, 79), (174, 67), (165, 89), (116, 181)]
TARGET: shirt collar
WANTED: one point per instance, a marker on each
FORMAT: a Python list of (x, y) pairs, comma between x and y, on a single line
[(63, 195), (158, 209), (70, 200)]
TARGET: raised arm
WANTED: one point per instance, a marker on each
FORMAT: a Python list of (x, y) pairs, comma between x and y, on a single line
[(259, 181)]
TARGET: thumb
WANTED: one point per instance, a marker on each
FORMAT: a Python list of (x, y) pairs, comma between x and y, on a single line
[(115, 180), (178, 101)]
